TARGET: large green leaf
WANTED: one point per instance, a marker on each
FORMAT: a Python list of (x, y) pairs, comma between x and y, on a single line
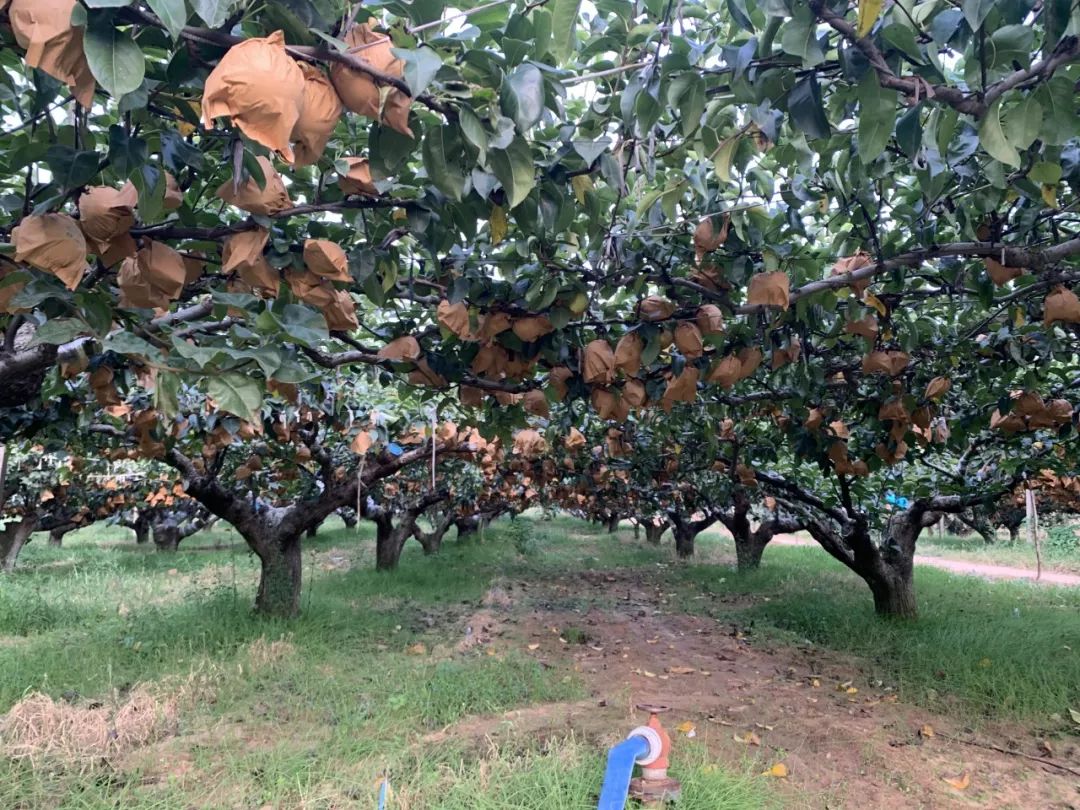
[(799, 37), (60, 330), (172, 13), (421, 66), (877, 116), (804, 106), (214, 12), (71, 168), (442, 151), (115, 60), (237, 394), (167, 394), (1023, 121), (993, 139), (514, 168), (564, 15), (522, 96)]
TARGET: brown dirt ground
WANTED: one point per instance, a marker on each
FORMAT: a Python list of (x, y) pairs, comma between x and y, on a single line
[(842, 748)]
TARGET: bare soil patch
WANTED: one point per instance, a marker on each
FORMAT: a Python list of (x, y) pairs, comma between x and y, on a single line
[(846, 743)]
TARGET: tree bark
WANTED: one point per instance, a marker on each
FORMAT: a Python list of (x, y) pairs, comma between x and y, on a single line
[(612, 524), (56, 536), (141, 527), (280, 579), (431, 541), (389, 541), (12, 539), (894, 594), (684, 541), (312, 531), (167, 537), (654, 531)]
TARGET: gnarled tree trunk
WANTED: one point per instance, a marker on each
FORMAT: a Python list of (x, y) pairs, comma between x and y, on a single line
[(686, 530), (431, 541), (56, 534), (166, 536)]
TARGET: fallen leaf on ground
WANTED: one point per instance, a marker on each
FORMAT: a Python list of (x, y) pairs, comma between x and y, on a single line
[(960, 782), (778, 770), (1045, 748), (681, 670), (927, 731), (534, 646), (749, 738), (419, 648), (685, 728)]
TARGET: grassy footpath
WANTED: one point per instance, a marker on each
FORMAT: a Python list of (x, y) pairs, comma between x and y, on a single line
[(1020, 554), (308, 713)]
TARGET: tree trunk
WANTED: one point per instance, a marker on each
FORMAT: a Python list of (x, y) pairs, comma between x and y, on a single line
[(894, 594), (56, 536), (280, 578), (141, 527), (684, 541), (1014, 533), (748, 551), (389, 541), (12, 539), (312, 531), (348, 517), (612, 524), (167, 537), (654, 532)]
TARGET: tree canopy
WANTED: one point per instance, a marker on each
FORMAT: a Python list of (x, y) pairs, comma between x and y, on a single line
[(829, 246)]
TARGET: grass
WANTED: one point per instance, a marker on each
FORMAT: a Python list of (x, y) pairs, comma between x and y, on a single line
[(307, 713), (988, 650)]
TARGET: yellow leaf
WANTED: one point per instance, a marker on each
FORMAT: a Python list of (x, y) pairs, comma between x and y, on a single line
[(869, 10), (419, 648), (876, 303), (985, 663), (681, 670), (749, 738), (498, 224), (851, 690), (581, 184), (534, 646), (723, 156), (778, 770), (685, 728), (1049, 195), (960, 782), (927, 731), (816, 683)]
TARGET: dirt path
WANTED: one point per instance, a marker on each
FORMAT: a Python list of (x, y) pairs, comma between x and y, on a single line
[(985, 570), (841, 732)]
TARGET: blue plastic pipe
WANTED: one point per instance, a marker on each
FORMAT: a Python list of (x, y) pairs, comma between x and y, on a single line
[(620, 767)]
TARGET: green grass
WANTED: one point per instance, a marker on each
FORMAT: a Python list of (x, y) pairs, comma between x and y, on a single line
[(346, 700), (988, 650)]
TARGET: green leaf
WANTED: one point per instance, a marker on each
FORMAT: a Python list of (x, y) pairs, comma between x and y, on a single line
[(976, 12), (514, 168), (564, 14), (237, 394), (877, 116), (692, 104), (115, 60), (804, 106), (132, 345), (1046, 172), (421, 66), (800, 37), (993, 139), (70, 168), (149, 181), (1023, 122), (59, 330), (172, 13), (167, 394), (441, 161), (869, 11), (213, 12), (522, 96), (473, 130)]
